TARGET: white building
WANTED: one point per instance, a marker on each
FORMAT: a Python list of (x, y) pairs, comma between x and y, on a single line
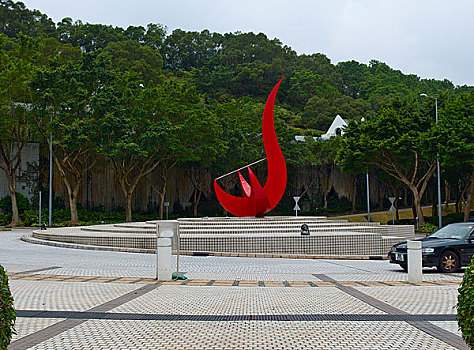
[(336, 128)]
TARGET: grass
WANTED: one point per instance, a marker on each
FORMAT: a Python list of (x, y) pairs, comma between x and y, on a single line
[(385, 216)]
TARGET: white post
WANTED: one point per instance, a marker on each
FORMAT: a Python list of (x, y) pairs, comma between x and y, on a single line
[(368, 197), (414, 261), (164, 233), (39, 208)]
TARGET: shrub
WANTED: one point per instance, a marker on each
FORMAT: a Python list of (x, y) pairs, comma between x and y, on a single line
[(7, 312), (427, 228), (21, 202), (465, 306)]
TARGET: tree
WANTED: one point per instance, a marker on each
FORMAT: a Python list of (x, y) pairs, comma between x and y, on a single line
[(129, 55), (152, 127), (320, 111), (15, 18), (187, 50), (68, 93), (89, 37), (395, 142), (16, 71), (456, 132)]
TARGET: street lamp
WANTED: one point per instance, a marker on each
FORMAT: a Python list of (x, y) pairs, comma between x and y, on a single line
[(440, 222)]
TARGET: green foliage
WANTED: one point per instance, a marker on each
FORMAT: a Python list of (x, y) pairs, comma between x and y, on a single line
[(131, 56), (465, 305), (21, 201), (7, 312), (15, 18), (427, 228), (111, 98)]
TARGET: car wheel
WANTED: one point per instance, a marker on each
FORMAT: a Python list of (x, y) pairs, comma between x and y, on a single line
[(448, 262)]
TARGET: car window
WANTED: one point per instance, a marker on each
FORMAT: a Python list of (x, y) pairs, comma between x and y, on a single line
[(453, 231)]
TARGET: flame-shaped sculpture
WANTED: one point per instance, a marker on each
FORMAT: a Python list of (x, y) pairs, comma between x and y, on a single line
[(257, 200)]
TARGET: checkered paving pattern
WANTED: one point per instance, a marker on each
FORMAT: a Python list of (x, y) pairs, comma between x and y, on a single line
[(27, 325), (112, 283), (99, 334), (43, 295), (243, 301), (417, 299)]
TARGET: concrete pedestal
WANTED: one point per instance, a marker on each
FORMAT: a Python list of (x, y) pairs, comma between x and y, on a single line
[(414, 261), (165, 232)]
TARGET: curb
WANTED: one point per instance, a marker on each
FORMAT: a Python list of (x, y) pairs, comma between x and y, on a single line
[(30, 239)]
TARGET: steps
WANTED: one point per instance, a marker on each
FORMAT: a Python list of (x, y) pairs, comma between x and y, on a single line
[(258, 236)]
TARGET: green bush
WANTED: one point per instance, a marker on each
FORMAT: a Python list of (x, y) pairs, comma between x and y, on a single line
[(7, 312), (465, 305), (21, 202), (427, 228)]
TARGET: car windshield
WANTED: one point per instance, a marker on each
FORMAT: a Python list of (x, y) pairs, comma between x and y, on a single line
[(452, 231)]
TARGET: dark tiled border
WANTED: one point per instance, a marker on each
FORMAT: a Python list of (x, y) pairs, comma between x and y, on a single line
[(89, 315), (55, 329)]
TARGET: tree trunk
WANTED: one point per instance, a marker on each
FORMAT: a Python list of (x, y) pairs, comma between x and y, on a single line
[(128, 207), (196, 202), (12, 189), (467, 207), (73, 203), (448, 195), (354, 193), (413, 211), (162, 195), (417, 205)]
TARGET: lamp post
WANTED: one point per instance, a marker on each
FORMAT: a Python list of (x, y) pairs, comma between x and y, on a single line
[(368, 197), (50, 206), (438, 175)]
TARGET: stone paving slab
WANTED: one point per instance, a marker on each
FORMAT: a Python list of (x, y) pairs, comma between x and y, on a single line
[(417, 299), (179, 300), (51, 295), (28, 325), (100, 334), (236, 302)]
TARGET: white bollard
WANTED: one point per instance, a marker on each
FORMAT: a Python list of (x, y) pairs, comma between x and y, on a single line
[(164, 233), (414, 261)]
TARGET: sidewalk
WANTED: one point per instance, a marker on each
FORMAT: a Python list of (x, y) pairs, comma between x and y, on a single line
[(74, 299)]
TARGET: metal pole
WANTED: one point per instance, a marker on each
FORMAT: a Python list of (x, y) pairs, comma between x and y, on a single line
[(440, 218), (178, 238), (39, 205), (236, 170), (157, 240), (368, 197), (50, 209)]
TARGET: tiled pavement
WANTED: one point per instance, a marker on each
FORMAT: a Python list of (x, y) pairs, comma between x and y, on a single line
[(69, 299)]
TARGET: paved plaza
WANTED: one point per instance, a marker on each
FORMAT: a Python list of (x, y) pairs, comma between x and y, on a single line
[(86, 299)]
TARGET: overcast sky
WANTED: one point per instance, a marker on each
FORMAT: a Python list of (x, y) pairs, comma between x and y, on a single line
[(432, 39)]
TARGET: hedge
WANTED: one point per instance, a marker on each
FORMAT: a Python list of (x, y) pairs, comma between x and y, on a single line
[(7, 312), (465, 306)]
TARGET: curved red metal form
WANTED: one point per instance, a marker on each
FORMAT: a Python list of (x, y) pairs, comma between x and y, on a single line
[(260, 200)]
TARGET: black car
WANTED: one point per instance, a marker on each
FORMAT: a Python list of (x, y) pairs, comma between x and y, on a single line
[(449, 248)]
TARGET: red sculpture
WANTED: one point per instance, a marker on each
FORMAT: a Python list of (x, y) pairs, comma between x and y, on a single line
[(257, 200)]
